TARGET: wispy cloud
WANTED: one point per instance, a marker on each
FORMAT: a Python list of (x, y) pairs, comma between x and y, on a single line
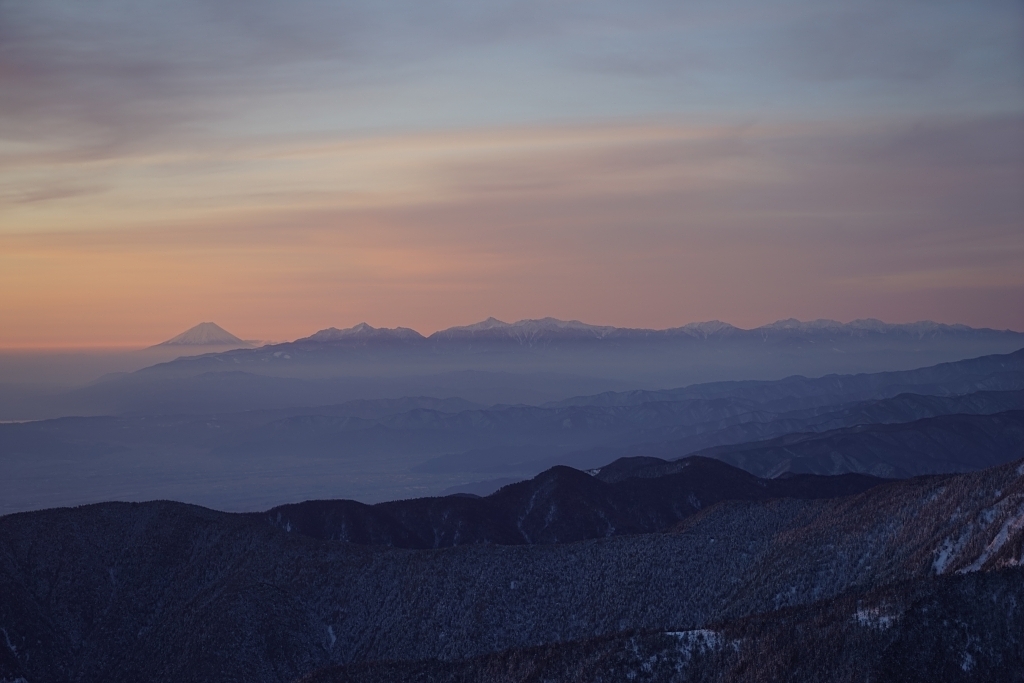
[(748, 223), (426, 164), (108, 73)]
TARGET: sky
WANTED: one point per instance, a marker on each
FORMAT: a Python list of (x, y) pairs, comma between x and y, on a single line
[(282, 167)]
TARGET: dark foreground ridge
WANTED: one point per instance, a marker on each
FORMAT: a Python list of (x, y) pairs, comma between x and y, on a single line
[(561, 505), (170, 592)]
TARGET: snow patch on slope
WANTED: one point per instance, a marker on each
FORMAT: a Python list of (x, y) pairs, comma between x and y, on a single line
[(696, 641), (10, 645), (874, 617), (1011, 526), (945, 555)]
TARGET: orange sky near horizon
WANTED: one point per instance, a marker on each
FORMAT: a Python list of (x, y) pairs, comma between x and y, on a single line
[(279, 168), (650, 225)]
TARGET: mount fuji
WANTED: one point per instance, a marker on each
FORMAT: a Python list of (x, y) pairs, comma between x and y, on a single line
[(205, 334)]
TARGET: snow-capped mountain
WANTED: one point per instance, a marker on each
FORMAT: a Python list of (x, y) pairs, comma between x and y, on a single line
[(526, 331), (707, 329), (362, 331), (532, 331), (533, 361), (864, 326), (206, 334), (539, 331)]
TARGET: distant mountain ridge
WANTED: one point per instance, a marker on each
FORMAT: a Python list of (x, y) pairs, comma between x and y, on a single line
[(944, 443), (399, 448), (534, 362), (995, 372), (529, 331), (362, 331)]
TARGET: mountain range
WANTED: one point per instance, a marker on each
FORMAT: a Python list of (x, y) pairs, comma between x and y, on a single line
[(951, 417), (546, 330), (531, 362), (865, 526)]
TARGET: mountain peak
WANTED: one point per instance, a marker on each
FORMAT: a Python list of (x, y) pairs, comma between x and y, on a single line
[(866, 325), (794, 324), (489, 324), (205, 334), (362, 331), (525, 331), (708, 328)]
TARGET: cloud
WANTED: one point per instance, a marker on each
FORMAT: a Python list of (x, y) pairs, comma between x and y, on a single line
[(648, 225), (890, 41), (115, 64), (106, 75), (319, 160)]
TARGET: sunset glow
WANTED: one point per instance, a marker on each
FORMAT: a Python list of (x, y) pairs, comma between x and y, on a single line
[(280, 178)]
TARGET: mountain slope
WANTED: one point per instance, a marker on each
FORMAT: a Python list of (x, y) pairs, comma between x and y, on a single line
[(999, 372), (934, 629), (951, 443), (363, 333), (560, 505), (164, 591), (704, 424), (363, 366)]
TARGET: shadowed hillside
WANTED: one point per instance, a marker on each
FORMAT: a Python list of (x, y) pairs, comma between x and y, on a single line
[(165, 591), (561, 505)]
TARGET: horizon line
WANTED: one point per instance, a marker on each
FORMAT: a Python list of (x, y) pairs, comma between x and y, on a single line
[(98, 347)]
